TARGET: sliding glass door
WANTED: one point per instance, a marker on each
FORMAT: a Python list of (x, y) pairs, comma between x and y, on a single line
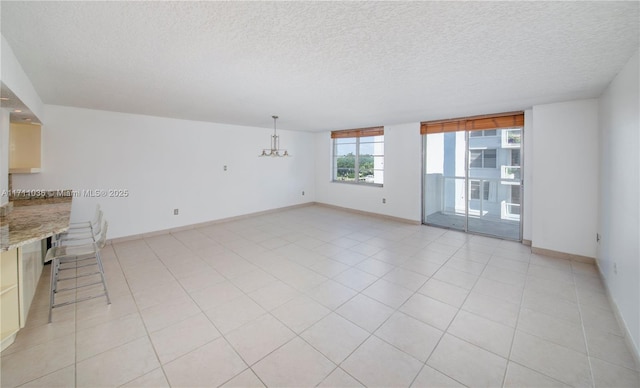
[(445, 183), (473, 181)]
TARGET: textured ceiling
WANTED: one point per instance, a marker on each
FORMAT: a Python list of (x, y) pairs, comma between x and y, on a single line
[(319, 65)]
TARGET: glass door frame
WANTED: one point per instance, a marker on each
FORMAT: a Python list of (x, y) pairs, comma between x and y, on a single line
[(423, 216)]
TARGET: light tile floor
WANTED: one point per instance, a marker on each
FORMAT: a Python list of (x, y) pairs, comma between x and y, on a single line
[(318, 297)]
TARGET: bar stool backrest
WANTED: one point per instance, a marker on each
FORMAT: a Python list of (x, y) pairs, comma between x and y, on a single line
[(97, 216), (102, 238), (97, 229)]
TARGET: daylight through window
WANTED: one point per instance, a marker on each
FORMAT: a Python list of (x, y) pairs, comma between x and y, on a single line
[(358, 156)]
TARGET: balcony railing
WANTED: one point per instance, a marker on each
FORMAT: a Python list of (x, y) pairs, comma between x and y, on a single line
[(511, 138), (510, 172), (510, 211)]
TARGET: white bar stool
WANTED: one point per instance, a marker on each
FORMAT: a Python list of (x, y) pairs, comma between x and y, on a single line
[(65, 258)]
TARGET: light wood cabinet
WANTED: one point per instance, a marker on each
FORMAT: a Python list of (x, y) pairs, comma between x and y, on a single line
[(9, 297), (30, 267), (25, 148), (20, 271)]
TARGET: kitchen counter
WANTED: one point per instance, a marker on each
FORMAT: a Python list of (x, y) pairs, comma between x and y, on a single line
[(33, 220), (30, 220)]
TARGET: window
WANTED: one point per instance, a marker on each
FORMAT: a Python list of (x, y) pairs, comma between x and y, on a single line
[(358, 156), (515, 157), (515, 205), (515, 194), (474, 189), (482, 158), (486, 132)]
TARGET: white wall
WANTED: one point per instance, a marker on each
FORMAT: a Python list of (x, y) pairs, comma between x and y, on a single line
[(166, 164), (565, 168), (402, 176), (14, 77), (619, 220)]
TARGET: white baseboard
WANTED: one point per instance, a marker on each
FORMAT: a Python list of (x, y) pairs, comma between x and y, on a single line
[(370, 214), (563, 255), (633, 347), (204, 224)]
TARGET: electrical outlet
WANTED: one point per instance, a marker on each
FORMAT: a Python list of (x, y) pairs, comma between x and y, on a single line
[(384, 200), (615, 268), (175, 212), (224, 167), (302, 192)]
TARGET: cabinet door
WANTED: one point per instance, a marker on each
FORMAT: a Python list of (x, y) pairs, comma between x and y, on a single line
[(29, 270), (9, 298), (25, 148)]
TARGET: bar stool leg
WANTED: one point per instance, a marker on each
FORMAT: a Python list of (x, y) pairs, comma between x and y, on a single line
[(52, 287), (104, 280)]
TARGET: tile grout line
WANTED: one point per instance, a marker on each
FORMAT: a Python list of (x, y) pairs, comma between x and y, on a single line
[(331, 310), (305, 293), (584, 329), (146, 329), (222, 335), (537, 335), (270, 313), (445, 331), (117, 258), (395, 310), (515, 329), (398, 310), (182, 320), (267, 312)]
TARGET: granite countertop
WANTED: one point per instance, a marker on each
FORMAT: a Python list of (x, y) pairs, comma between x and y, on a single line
[(33, 220)]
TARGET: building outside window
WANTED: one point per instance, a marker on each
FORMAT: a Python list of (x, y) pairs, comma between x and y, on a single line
[(515, 157), (474, 189), (486, 132), (482, 158)]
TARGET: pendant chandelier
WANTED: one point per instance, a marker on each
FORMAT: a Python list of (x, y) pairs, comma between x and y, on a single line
[(275, 150)]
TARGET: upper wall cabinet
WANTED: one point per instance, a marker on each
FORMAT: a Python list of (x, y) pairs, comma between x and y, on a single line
[(25, 148)]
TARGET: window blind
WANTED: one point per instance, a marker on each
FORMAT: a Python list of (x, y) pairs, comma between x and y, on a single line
[(475, 123), (360, 132)]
